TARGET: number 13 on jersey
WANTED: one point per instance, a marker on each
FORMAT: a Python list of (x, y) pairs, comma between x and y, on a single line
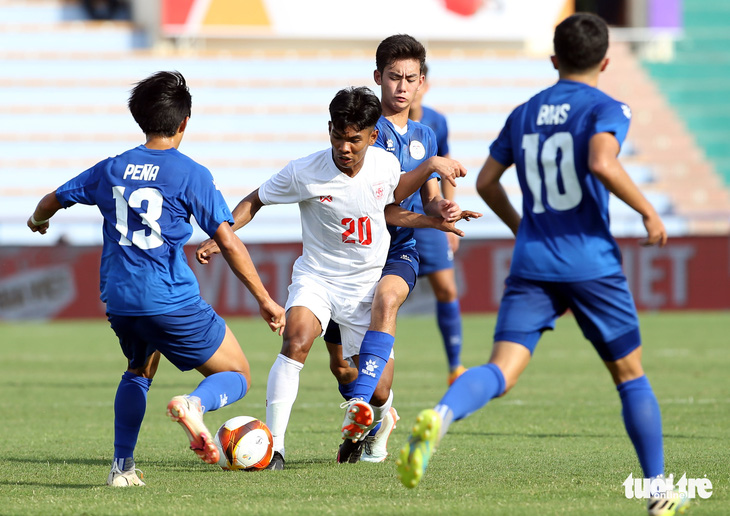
[(140, 238)]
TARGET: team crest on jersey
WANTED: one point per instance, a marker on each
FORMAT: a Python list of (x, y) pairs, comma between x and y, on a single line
[(417, 150), (379, 190), (325, 198)]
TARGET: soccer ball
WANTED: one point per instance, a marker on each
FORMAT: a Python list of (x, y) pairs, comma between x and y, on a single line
[(244, 443)]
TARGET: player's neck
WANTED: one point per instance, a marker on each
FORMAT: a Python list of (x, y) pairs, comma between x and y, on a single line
[(399, 119), (415, 113), (157, 142), (589, 79)]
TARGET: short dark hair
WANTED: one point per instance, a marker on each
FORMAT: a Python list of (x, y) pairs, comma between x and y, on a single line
[(580, 42), (356, 107), (398, 47), (160, 103)]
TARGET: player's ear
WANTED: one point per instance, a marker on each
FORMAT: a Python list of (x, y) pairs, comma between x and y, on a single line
[(183, 125), (554, 60), (378, 78), (604, 64), (373, 137), (329, 127)]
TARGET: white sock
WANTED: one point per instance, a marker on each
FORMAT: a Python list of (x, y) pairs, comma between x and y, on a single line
[(281, 392), (380, 412)]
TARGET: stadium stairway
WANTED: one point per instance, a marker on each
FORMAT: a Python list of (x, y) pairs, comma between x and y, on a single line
[(64, 83), (696, 82)]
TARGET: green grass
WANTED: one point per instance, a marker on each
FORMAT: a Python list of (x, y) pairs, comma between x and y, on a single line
[(554, 445)]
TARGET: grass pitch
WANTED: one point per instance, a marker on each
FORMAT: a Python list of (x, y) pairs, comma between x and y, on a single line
[(554, 445)]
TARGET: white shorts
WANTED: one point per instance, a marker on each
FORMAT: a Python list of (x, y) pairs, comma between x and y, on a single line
[(353, 315)]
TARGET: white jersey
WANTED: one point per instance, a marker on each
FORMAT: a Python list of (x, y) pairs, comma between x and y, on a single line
[(344, 233)]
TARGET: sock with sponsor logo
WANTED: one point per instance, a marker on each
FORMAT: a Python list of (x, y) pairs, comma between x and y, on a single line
[(472, 390), (374, 354), (643, 422), (130, 405), (448, 316), (220, 389)]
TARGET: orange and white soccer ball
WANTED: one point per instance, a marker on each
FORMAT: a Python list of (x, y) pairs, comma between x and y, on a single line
[(244, 443)]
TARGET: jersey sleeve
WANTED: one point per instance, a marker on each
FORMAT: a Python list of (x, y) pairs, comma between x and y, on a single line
[(612, 117), (282, 187), (81, 189), (206, 202), (501, 148)]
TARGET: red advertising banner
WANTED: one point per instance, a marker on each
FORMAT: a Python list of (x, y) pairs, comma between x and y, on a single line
[(690, 273)]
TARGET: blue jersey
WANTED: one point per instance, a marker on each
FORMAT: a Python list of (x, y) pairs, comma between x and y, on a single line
[(146, 198), (437, 122), (415, 145), (564, 234)]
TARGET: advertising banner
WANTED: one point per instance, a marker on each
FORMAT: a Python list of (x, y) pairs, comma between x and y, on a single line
[(690, 273), (455, 20)]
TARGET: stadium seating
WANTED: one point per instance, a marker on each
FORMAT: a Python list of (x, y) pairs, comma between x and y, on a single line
[(64, 83)]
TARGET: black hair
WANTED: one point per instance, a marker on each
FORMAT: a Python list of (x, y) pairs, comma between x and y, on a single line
[(399, 47), (356, 107), (160, 103), (580, 42)]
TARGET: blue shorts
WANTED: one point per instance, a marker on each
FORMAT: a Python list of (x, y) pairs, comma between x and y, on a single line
[(604, 309), (187, 337), (434, 251), (404, 263)]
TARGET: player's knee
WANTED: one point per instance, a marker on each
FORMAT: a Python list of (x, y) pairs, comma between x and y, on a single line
[(296, 347), (445, 293)]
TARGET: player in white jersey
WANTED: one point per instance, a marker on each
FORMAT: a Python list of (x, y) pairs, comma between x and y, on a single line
[(342, 193)]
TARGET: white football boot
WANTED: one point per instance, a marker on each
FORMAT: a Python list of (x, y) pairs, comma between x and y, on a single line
[(376, 446), (187, 411), (128, 478)]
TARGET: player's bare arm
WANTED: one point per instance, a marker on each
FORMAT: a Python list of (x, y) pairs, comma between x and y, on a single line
[(396, 215), (243, 213), (240, 262), (437, 206), (409, 182), (491, 190), (47, 208), (604, 164)]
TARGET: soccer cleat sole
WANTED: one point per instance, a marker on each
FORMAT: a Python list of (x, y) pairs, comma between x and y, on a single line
[(201, 442), (349, 451), (362, 418), (415, 455)]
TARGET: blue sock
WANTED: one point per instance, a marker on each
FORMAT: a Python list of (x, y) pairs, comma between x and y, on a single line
[(374, 354), (130, 404), (448, 316), (346, 389), (473, 389), (220, 389), (643, 422)]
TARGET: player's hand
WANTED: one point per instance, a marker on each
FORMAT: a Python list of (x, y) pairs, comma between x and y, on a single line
[(274, 315), (449, 210), (468, 215), (449, 169), (40, 228), (205, 250), (655, 231)]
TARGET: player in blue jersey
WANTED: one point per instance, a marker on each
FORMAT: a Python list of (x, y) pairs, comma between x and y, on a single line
[(399, 73), (146, 196), (564, 143), (436, 249)]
